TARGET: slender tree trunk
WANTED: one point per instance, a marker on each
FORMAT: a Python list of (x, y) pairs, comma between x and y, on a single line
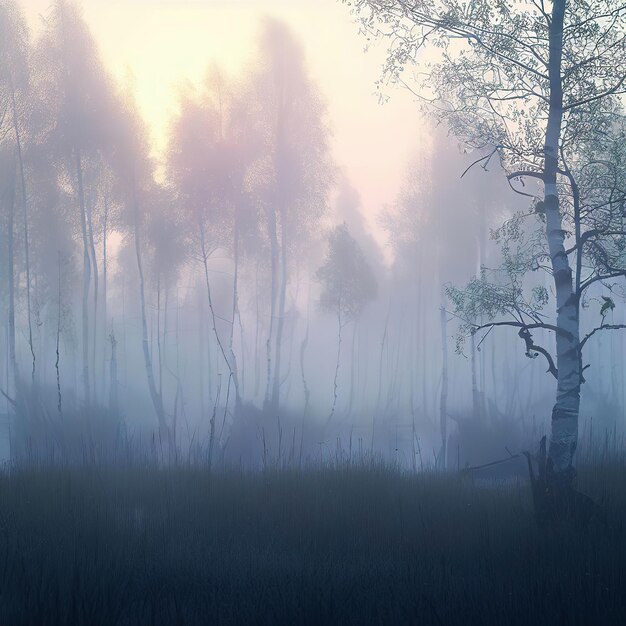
[(157, 400), (335, 386), (303, 347), (200, 344), (166, 309), (289, 332), (423, 342), (104, 278), (393, 392), (478, 398), (86, 278), (4, 354), (158, 334), (124, 343), (235, 313), (353, 360), (615, 368), (564, 430), (257, 364), (113, 384), (273, 296), (205, 341), (383, 343), (443, 398), (280, 325), (20, 161), (58, 338), (10, 200), (242, 363), (205, 259), (482, 259), (380, 376), (179, 385), (477, 410), (494, 378), (94, 265)]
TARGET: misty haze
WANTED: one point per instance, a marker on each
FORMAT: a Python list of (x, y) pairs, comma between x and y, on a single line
[(312, 312)]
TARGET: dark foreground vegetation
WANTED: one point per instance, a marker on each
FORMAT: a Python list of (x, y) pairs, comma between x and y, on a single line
[(359, 545)]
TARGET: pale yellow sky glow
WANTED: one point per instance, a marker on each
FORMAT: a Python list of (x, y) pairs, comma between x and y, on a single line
[(161, 43)]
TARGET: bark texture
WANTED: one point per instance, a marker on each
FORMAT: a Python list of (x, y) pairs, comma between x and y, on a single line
[(564, 429)]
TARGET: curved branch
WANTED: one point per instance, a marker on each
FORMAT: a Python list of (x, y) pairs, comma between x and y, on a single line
[(528, 173), (583, 238), (532, 347), (521, 193), (520, 174), (543, 325), (589, 335), (615, 90), (486, 158)]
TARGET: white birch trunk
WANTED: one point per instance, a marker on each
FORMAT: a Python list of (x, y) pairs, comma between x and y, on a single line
[(273, 295), (11, 275), (564, 429), (157, 400), (86, 279), (235, 313), (20, 162), (443, 398)]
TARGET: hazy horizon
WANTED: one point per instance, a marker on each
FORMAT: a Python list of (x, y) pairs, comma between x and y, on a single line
[(158, 45)]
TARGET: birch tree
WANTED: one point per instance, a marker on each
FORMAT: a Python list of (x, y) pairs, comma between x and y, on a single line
[(208, 159), (14, 86), (348, 285), (526, 84), (80, 97), (295, 173), (139, 193)]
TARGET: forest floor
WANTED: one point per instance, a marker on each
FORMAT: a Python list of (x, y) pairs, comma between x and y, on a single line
[(364, 545)]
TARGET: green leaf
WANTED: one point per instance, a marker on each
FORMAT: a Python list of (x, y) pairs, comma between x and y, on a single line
[(608, 305)]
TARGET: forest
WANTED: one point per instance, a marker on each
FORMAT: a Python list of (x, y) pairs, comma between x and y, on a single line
[(249, 376)]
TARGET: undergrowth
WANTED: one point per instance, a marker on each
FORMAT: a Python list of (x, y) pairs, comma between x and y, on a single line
[(335, 545)]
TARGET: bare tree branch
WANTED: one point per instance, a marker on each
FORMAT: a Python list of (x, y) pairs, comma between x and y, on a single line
[(589, 335)]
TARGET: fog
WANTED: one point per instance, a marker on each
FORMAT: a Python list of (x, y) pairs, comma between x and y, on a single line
[(224, 286)]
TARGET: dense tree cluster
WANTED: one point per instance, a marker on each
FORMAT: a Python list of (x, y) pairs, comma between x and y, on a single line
[(246, 177), (215, 292)]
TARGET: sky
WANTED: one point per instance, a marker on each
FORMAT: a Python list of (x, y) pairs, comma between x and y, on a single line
[(159, 44)]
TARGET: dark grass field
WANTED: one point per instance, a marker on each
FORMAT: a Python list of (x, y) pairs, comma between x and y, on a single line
[(364, 545)]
